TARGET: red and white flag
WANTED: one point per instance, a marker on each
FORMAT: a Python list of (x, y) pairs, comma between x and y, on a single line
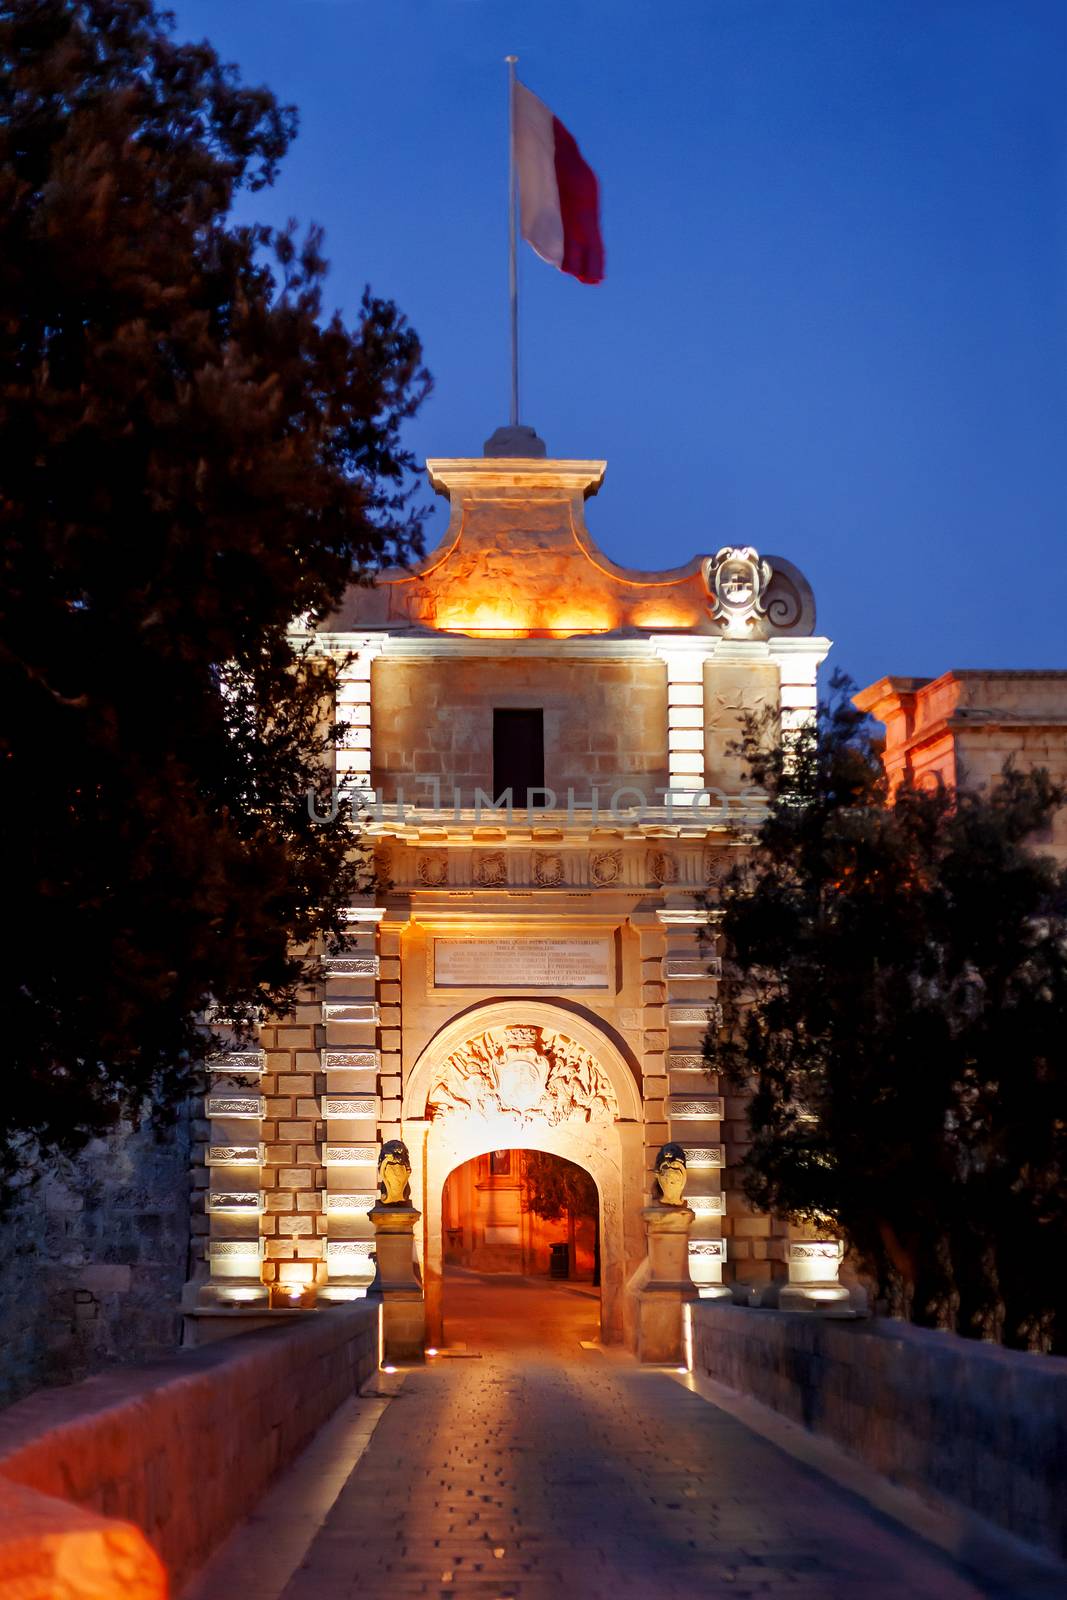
[(559, 198)]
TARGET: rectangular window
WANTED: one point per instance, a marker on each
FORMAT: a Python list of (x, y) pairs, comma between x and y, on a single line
[(500, 1163), (519, 754)]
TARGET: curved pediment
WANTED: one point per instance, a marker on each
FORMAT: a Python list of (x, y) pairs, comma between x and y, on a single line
[(517, 561)]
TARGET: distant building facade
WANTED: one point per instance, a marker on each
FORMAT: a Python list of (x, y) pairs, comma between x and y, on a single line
[(961, 728)]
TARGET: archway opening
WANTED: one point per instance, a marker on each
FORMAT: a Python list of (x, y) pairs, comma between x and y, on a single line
[(521, 1236)]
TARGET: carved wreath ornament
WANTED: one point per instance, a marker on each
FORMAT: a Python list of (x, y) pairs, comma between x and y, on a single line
[(528, 1073)]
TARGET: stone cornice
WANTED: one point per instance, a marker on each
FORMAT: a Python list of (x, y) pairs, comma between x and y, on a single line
[(528, 476)]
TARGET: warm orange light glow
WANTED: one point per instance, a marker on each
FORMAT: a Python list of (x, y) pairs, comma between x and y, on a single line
[(290, 1272), (661, 614), (537, 617)]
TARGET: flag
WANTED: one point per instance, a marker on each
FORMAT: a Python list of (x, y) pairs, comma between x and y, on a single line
[(559, 198)]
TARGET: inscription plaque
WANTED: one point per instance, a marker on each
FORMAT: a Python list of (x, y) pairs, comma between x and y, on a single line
[(522, 963)]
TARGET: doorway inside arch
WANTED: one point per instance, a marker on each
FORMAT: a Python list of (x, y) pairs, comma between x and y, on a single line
[(521, 1253)]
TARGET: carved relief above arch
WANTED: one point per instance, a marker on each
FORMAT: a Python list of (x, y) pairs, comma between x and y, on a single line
[(528, 1072), (526, 1060)]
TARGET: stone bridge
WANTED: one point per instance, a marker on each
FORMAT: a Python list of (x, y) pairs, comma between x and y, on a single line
[(787, 1454)]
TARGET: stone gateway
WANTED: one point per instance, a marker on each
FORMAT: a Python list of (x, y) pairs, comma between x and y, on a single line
[(543, 743)]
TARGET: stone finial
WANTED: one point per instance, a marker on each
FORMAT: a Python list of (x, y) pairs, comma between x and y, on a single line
[(668, 1186), (738, 578), (394, 1173), (518, 441)]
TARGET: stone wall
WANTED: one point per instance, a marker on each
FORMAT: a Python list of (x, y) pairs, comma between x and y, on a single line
[(93, 1258), (184, 1449), (981, 1426), (605, 724)]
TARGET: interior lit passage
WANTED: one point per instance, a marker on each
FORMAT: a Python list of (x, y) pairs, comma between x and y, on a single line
[(520, 1222), (522, 1212)]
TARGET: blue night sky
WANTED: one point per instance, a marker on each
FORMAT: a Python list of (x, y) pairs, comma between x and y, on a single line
[(834, 323)]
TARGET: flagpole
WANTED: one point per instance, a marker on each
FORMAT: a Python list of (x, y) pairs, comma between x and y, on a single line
[(513, 277)]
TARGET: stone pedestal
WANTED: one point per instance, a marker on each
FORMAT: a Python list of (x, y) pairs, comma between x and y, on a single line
[(813, 1285), (403, 1306), (662, 1287)]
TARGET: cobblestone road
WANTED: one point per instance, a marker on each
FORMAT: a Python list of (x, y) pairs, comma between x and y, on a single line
[(525, 1477)]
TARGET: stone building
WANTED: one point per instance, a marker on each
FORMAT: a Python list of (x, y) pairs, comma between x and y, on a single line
[(960, 729), (526, 977)]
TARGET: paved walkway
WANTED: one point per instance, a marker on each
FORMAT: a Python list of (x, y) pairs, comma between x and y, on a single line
[(493, 1313), (526, 1475)]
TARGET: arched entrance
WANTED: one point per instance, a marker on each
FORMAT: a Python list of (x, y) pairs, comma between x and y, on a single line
[(521, 1257), (524, 1074)]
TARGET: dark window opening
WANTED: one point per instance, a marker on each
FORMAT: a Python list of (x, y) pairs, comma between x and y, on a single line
[(519, 755), (500, 1163)]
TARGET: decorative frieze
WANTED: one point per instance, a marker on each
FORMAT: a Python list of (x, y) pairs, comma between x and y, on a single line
[(350, 1155), (432, 869), (243, 1252), (238, 1202), (605, 868), (235, 1155), (702, 1251), (662, 867), (351, 1061), (687, 1016), (247, 1107), (706, 1155), (548, 870), (705, 1108), (686, 1061), (360, 965), (238, 1063), (337, 1105), (350, 1011), (337, 1203), (828, 1250), (350, 1256), (690, 967), (706, 1205), (490, 869)]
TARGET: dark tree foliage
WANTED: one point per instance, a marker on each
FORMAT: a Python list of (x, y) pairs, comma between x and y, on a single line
[(558, 1190), (191, 456), (895, 995)]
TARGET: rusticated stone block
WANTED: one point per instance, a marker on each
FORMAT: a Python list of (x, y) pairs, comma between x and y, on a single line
[(296, 1083), (294, 1178)]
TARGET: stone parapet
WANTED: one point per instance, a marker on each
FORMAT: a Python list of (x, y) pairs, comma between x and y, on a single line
[(184, 1449), (49, 1548), (981, 1426)]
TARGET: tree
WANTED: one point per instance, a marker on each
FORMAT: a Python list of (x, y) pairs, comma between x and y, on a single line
[(192, 454), (556, 1189), (895, 995)]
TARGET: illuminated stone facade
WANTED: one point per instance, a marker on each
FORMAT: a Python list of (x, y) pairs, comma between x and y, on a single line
[(523, 978), (960, 729)]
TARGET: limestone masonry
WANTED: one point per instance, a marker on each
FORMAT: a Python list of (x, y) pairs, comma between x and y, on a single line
[(527, 975)]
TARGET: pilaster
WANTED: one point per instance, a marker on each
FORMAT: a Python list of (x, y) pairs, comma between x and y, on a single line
[(694, 1106), (351, 1062), (231, 1180)]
